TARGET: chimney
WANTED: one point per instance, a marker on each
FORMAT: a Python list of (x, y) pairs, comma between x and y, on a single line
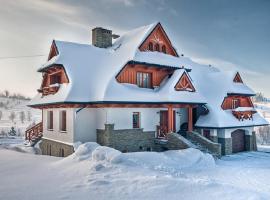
[(102, 37)]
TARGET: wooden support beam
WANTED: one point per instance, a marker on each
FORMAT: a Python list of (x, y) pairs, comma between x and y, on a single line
[(190, 119), (170, 119)]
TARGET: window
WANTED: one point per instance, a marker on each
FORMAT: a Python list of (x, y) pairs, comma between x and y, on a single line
[(235, 103), (164, 49), (61, 152), (50, 120), (136, 120), (144, 80), (157, 47), (150, 46), (55, 78), (63, 120)]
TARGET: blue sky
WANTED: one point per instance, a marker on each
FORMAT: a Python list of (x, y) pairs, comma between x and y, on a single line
[(227, 34)]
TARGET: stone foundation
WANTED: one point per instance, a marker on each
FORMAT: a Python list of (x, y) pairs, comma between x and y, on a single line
[(226, 145), (53, 148), (127, 140), (251, 143), (134, 140)]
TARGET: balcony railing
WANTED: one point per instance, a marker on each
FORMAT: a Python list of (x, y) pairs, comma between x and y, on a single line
[(52, 89), (34, 132), (244, 113)]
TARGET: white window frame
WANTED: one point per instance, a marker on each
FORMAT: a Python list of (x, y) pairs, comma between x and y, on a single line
[(49, 125), (60, 121)]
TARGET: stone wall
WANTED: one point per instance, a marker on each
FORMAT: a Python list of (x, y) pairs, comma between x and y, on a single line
[(53, 148), (127, 140), (251, 143), (176, 141), (212, 147), (134, 140), (226, 145)]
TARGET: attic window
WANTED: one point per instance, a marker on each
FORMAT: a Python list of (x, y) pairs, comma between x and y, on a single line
[(235, 103), (237, 78), (144, 80), (184, 84), (157, 47), (150, 46), (164, 49), (55, 78)]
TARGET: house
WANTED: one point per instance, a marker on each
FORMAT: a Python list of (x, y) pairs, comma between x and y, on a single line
[(139, 94)]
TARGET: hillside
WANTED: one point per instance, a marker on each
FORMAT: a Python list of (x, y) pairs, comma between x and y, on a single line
[(15, 113)]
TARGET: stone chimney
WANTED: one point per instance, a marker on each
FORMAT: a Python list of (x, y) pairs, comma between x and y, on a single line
[(102, 37)]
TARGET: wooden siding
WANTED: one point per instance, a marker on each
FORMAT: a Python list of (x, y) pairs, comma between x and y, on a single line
[(129, 74), (243, 102), (48, 80), (237, 78), (184, 84), (53, 51), (159, 40)]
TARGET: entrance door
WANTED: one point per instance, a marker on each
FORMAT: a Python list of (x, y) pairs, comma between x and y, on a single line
[(164, 120)]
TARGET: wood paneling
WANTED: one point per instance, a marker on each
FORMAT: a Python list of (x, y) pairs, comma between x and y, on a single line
[(48, 79), (237, 78), (243, 102), (159, 38), (184, 84), (129, 74), (53, 51)]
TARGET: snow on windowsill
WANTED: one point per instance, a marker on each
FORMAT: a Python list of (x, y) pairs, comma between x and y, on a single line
[(242, 109)]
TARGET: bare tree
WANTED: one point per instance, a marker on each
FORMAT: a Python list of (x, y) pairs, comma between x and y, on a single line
[(6, 93), (12, 116), (22, 116)]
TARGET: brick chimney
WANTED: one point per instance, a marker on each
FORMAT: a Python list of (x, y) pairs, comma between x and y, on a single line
[(102, 37)]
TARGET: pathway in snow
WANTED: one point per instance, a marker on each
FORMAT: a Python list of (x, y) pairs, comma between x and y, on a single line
[(95, 172)]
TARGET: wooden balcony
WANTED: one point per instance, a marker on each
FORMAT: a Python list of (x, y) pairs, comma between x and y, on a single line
[(52, 89), (34, 132), (243, 113)]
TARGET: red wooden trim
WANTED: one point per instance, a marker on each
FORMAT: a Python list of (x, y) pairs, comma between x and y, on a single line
[(237, 78), (183, 83), (53, 50), (174, 53)]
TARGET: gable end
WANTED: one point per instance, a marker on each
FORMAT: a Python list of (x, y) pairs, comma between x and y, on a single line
[(184, 84), (237, 78)]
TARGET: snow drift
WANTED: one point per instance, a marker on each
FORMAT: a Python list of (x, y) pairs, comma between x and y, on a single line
[(169, 161)]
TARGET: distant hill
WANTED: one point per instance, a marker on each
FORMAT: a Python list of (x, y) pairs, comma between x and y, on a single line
[(14, 112)]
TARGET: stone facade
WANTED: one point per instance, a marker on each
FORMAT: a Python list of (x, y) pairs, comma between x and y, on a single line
[(127, 140), (210, 146), (176, 141), (226, 145), (134, 140), (53, 148), (251, 143)]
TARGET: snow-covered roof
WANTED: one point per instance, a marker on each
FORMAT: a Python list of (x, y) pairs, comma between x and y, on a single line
[(92, 73)]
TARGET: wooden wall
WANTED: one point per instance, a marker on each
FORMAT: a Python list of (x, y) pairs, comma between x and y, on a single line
[(54, 71), (158, 36), (244, 102), (129, 74)]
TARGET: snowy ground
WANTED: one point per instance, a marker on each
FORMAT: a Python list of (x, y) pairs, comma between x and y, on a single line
[(95, 172)]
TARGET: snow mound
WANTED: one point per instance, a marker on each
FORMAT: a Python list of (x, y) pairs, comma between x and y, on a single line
[(170, 161)]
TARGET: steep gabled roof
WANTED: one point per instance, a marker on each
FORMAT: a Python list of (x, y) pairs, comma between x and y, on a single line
[(92, 73)]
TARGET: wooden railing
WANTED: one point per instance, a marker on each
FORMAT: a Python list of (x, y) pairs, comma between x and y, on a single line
[(242, 115), (162, 131), (34, 132), (48, 90)]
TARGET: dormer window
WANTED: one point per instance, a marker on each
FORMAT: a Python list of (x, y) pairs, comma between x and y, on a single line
[(150, 46), (55, 78), (164, 49), (235, 103), (157, 47), (144, 79)]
